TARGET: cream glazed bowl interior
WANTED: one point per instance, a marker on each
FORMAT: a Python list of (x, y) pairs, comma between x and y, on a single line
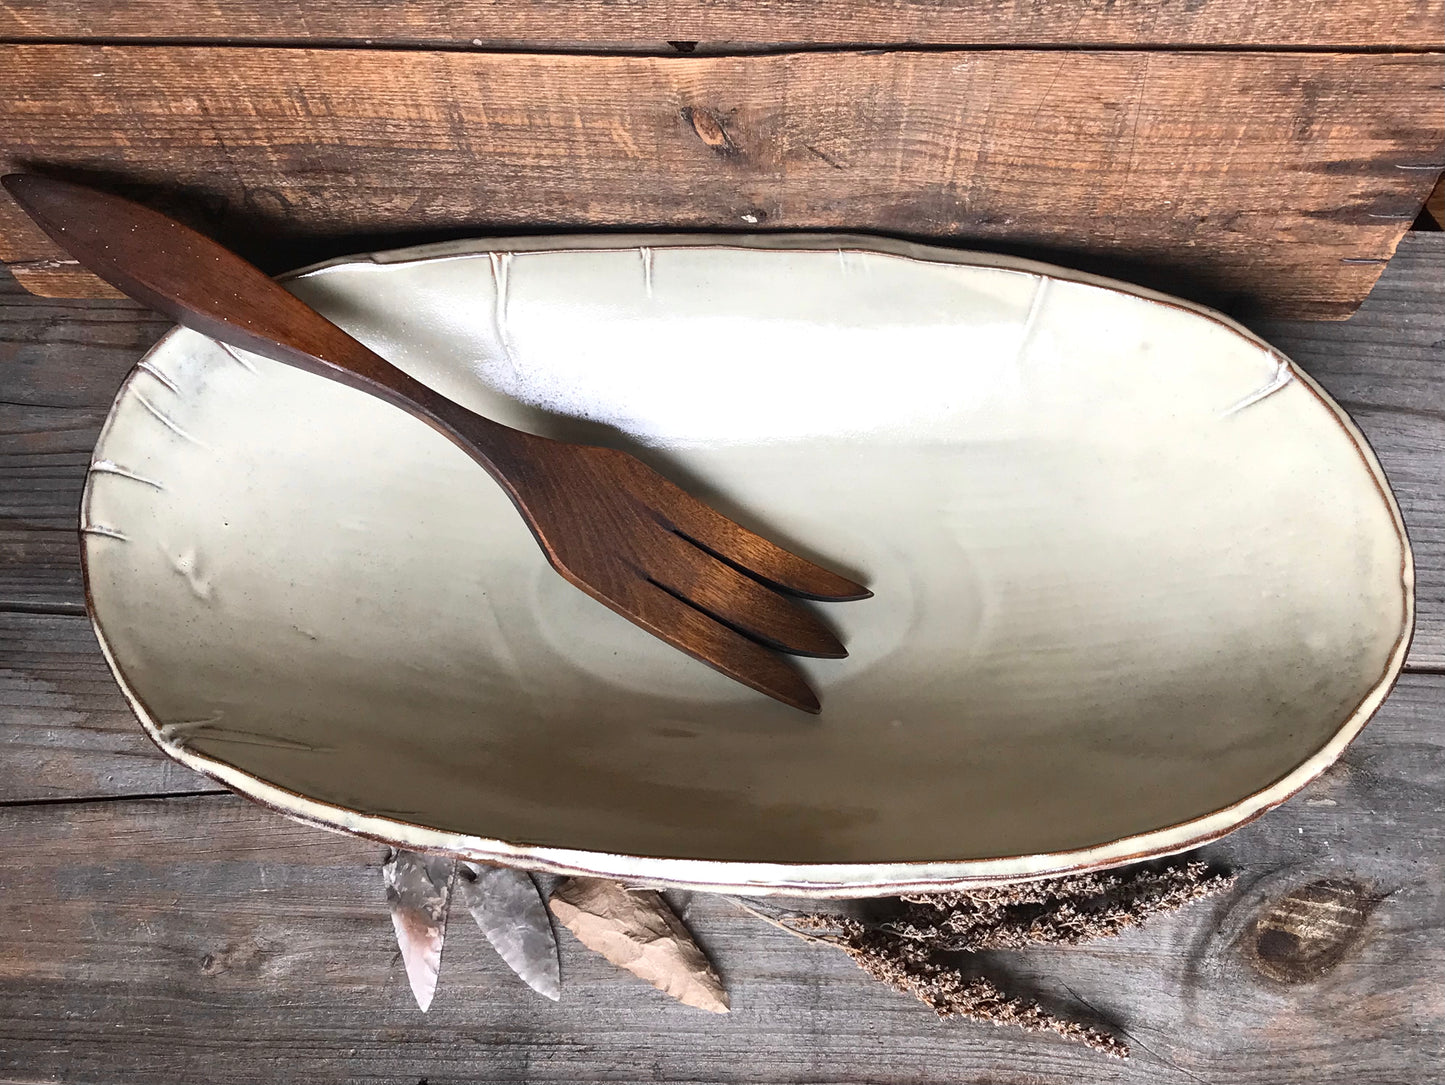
[(1137, 578)]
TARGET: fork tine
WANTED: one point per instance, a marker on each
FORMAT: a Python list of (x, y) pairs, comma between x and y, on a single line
[(753, 609), (766, 560), (726, 650)]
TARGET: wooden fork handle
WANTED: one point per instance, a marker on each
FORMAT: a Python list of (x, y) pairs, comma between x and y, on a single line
[(204, 286)]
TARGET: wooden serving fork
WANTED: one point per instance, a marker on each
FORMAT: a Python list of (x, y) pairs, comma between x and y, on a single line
[(607, 522)]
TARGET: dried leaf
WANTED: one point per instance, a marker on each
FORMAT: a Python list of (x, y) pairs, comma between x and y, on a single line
[(509, 909), (638, 931), (418, 891)]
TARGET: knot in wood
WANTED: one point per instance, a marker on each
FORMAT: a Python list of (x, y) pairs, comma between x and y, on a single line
[(242, 956), (710, 130), (1309, 930)]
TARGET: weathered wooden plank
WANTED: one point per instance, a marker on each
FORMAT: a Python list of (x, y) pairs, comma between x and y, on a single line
[(1265, 180), (1411, 447), (1387, 356), (65, 730), (60, 364), (1384, 366), (600, 24), (206, 939)]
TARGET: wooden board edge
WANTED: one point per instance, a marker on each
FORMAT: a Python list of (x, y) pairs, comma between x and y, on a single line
[(54, 278), (67, 280), (1435, 203)]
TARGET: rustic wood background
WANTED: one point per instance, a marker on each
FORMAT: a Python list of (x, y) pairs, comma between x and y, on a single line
[(728, 24), (1264, 156), (154, 930)]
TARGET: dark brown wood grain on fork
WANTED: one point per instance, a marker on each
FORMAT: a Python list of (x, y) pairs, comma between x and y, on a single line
[(611, 525)]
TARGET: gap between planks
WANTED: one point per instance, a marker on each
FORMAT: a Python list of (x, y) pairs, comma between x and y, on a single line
[(683, 50), (86, 800), (20, 606)]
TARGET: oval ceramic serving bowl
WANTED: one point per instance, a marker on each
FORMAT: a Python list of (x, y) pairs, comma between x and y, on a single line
[(1137, 579)]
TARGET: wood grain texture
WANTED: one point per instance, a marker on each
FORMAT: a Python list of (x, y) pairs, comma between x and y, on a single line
[(600, 24), (65, 730), (60, 365), (1384, 367), (206, 939), (1271, 181)]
